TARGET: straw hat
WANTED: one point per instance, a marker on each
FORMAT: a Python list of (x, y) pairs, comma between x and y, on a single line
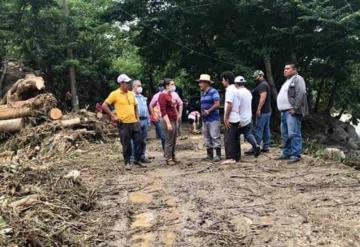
[(205, 77)]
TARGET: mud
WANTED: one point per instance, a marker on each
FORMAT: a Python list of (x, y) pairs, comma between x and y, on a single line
[(257, 202)]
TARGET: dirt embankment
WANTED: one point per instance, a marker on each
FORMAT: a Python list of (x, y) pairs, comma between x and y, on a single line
[(258, 202)]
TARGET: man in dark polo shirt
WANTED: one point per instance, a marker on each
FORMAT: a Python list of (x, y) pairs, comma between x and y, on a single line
[(261, 105)]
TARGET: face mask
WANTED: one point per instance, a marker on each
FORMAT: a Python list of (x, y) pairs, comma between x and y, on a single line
[(139, 90), (173, 88)]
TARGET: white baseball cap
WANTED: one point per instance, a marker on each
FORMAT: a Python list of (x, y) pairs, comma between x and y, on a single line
[(123, 78), (240, 79)]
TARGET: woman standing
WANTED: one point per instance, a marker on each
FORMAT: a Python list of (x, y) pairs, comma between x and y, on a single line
[(170, 116)]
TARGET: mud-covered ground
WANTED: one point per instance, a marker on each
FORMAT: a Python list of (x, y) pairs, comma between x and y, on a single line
[(257, 202)]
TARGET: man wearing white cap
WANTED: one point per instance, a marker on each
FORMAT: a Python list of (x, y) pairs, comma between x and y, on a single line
[(126, 116), (245, 111)]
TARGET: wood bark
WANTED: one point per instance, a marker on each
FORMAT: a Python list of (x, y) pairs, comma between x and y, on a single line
[(269, 75), (40, 105), (11, 125), (24, 89), (3, 75), (69, 123)]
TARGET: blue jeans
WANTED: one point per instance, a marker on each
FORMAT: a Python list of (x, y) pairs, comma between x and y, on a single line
[(144, 125), (160, 133), (291, 134), (248, 135), (262, 130)]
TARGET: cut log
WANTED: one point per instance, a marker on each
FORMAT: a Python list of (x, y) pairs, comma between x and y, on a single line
[(11, 125), (24, 89), (73, 122), (55, 114), (40, 105), (99, 115)]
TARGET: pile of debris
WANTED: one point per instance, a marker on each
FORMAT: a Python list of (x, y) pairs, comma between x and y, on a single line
[(41, 128)]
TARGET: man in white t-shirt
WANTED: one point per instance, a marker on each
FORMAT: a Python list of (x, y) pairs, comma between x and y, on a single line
[(236, 115), (245, 109)]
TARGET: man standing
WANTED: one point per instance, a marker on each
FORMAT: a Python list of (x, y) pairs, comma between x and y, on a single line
[(292, 103), (127, 119), (231, 119), (143, 117), (210, 103), (245, 111), (261, 105)]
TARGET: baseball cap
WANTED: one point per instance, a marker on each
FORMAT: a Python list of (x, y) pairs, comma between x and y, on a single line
[(239, 79), (123, 78), (258, 73)]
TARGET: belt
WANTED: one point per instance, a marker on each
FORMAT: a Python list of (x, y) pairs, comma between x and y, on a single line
[(143, 118)]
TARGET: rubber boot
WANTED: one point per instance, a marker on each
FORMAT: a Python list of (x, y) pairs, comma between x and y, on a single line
[(210, 154), (218, 154)]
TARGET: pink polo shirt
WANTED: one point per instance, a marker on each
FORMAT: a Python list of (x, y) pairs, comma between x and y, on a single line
[(154, 103)]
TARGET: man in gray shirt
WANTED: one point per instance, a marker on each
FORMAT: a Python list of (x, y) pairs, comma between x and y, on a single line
[(292, 103)]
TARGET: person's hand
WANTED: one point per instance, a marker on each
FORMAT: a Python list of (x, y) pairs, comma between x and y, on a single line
[(258, 113), (206, 113), (179, 118), (227, 123), (292, 112), (115, 119), (169, 127)]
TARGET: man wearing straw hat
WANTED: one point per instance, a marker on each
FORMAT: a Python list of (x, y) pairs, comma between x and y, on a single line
[(210, 103)]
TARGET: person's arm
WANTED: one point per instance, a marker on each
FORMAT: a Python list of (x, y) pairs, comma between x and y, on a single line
[(109, 101), (300, 89), (153, 103), (113, 117), (227, 114), (261, 103), (136, 112), (180, 112)]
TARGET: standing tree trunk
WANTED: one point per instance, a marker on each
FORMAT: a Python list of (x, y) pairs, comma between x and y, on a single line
[(319, 92), (270, 78), (72, 72), (331, 98), (2, 78)]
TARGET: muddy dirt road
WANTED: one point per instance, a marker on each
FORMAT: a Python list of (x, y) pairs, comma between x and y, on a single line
[(258, 202)]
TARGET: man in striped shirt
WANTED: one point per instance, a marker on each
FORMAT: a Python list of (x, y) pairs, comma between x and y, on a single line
[(210, 103)]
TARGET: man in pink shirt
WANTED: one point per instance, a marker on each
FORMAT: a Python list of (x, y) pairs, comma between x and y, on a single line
[(156, 115)]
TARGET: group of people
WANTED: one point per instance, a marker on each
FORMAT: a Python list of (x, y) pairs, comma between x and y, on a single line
[(245, 113)]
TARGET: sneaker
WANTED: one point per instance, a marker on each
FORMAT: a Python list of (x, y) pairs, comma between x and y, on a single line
[(282, 157), (293, 159), (228, 162), (138, 163), (257, 152), (249, 152), (127, 166), (170, 163), (145, 161)]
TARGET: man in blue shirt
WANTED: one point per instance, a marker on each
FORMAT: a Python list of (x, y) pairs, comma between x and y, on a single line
[(144, 117), (210, 103)]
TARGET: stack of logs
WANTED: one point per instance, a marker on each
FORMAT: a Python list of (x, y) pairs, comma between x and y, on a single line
[(27, 99)]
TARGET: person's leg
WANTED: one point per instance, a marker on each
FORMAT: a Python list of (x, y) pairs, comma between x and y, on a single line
[(232, 142), (246, 130), (267, 132), (259, 128), (144, 135), (214, 129), (286, 151), (132, 157), (207, 140), (168, 142), (139, 142), (294, 132), (125, 137), (160, 132), (173, 140)]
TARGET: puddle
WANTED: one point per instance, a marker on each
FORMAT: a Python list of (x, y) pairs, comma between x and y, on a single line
[(140, 198)]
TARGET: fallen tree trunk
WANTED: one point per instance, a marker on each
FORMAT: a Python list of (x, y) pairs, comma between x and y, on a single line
[(11, 125), (24, 89), (40, 105), (73, 122)]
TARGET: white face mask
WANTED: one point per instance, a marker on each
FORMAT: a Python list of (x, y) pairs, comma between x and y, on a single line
[(139, 90), (172, 88)]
